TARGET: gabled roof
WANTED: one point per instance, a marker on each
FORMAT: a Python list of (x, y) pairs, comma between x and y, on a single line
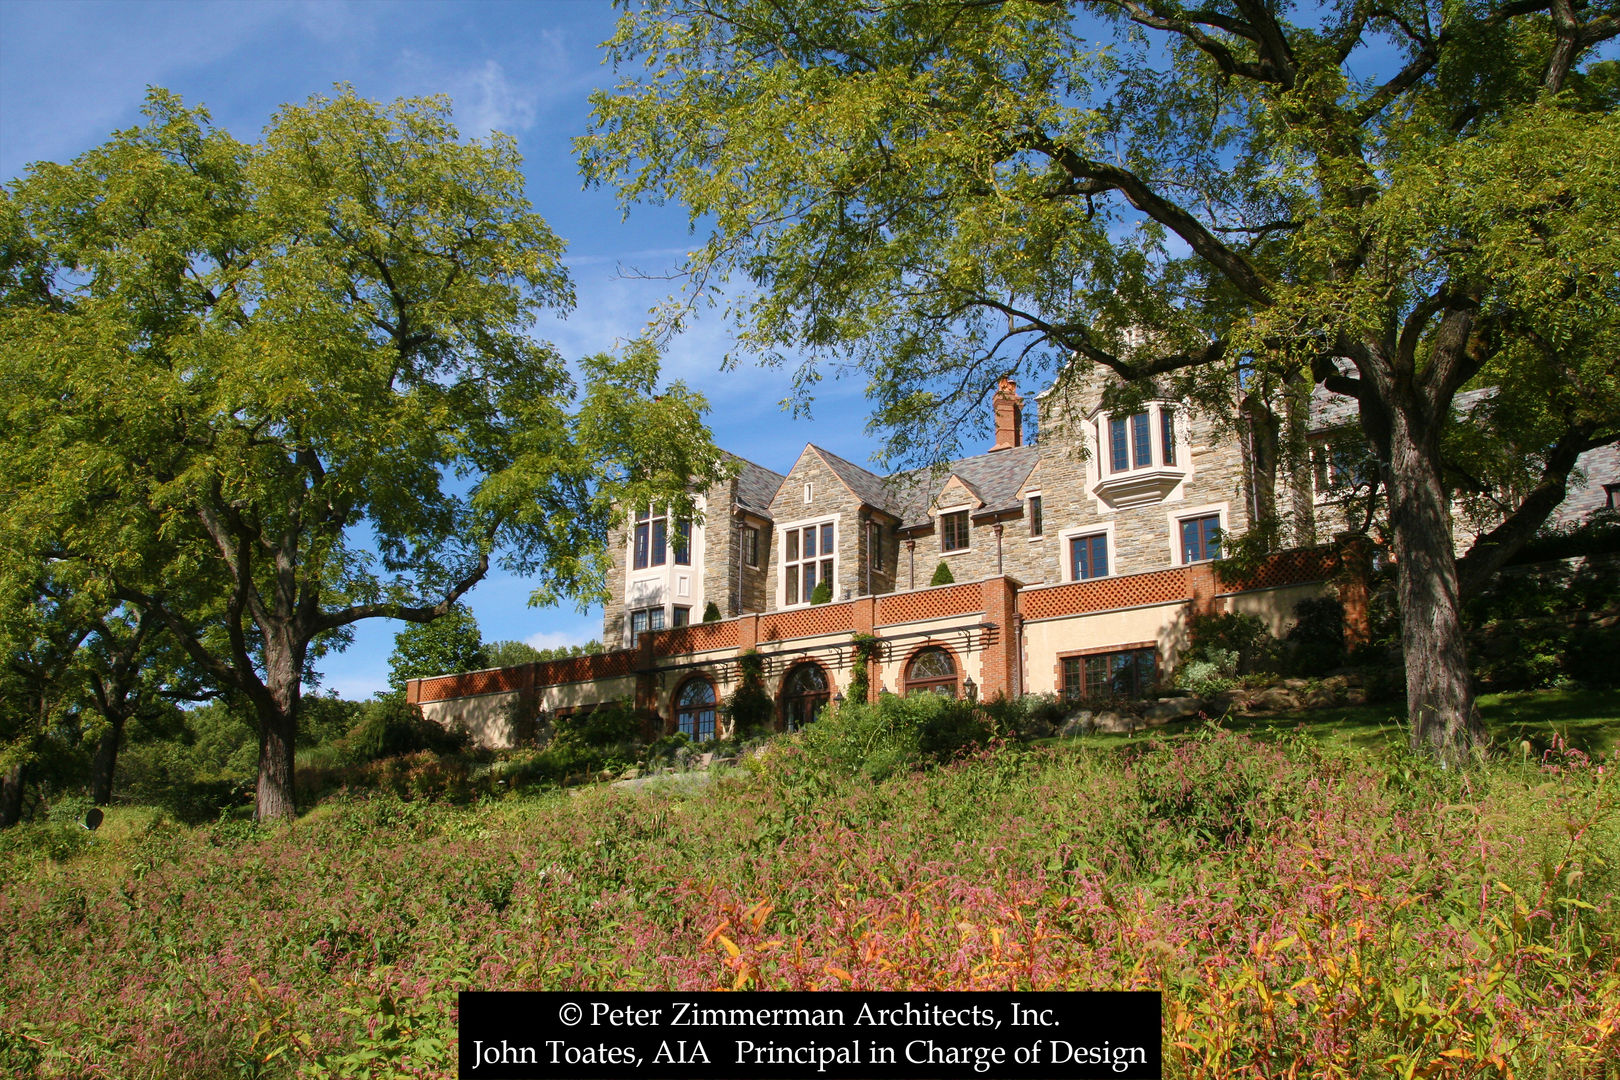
[(1597, 468), (870, 488), (757, 487), (995, 477)]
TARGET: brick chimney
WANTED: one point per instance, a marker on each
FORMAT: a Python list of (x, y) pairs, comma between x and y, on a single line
[(1009, 416)]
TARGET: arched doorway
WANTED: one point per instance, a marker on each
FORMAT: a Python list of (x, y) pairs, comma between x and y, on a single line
[(805, 691), (932, 671), (694, 709)]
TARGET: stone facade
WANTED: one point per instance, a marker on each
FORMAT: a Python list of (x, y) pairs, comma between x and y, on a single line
[(1138, 511)]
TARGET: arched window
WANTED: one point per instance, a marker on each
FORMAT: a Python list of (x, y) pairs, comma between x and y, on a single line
[(804, 693), (694, 710), (931, 671)]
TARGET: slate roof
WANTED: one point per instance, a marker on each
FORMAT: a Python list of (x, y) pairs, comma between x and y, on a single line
[(756, 487), (1598, 467), (995, 477), (1330, 410), (870, 488)]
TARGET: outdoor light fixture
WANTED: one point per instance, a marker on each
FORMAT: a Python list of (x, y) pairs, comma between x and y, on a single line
[(838, 698), (970, 688)]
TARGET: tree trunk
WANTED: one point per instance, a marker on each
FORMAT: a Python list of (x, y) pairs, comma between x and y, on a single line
[(1296, 455), (105, 762), (1439, 691), (11, 795), (277, 710)]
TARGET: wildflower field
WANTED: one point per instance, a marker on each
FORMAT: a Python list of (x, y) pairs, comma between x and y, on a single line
[(1307, 910)]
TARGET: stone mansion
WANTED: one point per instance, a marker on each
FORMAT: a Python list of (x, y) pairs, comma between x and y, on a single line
[(1076, 562)]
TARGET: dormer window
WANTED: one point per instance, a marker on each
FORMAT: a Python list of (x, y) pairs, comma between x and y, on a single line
[(1140, 461)]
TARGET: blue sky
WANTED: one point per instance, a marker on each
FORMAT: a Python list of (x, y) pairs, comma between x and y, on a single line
[(73, 72)]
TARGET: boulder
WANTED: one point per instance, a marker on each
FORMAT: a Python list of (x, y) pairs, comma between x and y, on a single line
[(1116, 723), (1274, 699), (1078, 723), (1176, 708), (1320, 697)]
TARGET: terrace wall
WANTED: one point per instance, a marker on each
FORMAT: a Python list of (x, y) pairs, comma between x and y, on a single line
[(1006, 638)]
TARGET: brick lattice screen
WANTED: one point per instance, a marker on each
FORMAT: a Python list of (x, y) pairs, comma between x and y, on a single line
[(1132, 590), (807, 622), (1294, 567), (697, 637), (545, 673), (930, 603)]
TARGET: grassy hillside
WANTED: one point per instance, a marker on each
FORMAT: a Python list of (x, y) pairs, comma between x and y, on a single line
[(1308, 909)]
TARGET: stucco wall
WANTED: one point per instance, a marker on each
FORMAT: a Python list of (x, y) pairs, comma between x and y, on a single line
[(1163, 624), (1276, 606)]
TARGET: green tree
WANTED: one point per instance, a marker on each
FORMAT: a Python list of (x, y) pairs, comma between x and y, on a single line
[(513, 653), (266, 390), (942, 575), (446, 646), (1396, 201)]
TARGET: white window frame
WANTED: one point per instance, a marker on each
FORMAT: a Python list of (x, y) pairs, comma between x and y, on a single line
[(1183, 513), (939, 527), (1066, 564), (1029, 516), (1139, 485), (782, 563)]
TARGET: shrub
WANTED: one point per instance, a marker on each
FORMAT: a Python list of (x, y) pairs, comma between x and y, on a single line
[(1208, 677), (1316, 640), (749, 710), (605, 728), (389, 727), (942, 575), (1245, 637), (894, 734), (866, 648), (1032, 716), (711, 612), (822, 593)]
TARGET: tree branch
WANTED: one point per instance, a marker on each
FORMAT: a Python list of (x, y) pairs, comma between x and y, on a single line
[(1492, 551), (1238, 270)]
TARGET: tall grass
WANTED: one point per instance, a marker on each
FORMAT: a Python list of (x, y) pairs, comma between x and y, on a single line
[(1307, 912)]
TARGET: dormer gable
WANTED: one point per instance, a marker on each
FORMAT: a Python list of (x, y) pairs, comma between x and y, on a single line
[(956, 494)]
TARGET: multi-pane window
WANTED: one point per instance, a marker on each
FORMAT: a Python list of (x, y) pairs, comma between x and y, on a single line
[(651, 531), (953, 531), (653, 540), (681, 543), (694, 710), (931, 671), (1130, 440), (683, 616), (1088, 557), (644, 619), (1036, 525), (751, 545), (1200, 538), (1126, 674), (1119, 445), (808, 555), (1341, 466), (805, 692)]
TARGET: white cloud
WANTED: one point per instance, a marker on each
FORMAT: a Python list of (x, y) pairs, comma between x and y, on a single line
[(487, 100), (553, 639)]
